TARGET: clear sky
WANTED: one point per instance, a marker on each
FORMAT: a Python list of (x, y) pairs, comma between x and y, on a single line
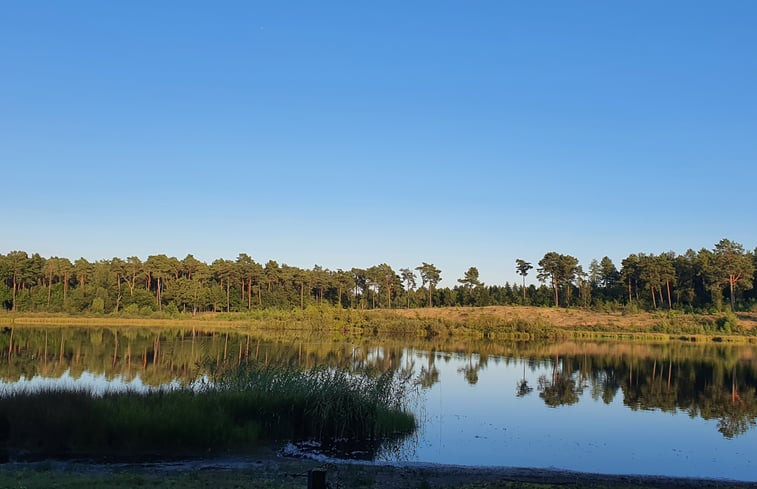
[(345, 134)]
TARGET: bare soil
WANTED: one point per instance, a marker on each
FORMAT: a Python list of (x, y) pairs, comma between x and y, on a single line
[(268, 470)]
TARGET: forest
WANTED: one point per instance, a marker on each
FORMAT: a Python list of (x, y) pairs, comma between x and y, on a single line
[(705, 280)]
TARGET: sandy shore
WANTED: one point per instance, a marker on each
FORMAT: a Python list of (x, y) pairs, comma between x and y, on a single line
[(268, 469)]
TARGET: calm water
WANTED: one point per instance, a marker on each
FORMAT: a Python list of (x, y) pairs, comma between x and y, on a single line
[(574, 422), (674, 409)]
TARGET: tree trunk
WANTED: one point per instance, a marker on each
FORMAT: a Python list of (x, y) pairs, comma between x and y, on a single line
[(654, 370), (118, 299), (670, 302), (228, 295), (554, 286), (524, 290), (49, 288), (654, 300), (630, 299), (132, 284), (302, 295), (115, 348), (734, 392), (15, 286), (732, 282)]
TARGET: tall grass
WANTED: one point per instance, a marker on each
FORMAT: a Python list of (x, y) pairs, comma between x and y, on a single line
[(323, 402), (235, 411)]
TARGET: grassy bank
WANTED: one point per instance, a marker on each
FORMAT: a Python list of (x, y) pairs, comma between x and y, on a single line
[(236, 412), (495, 322)]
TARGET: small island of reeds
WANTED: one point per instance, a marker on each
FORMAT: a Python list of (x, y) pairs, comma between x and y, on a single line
[(232, 411)]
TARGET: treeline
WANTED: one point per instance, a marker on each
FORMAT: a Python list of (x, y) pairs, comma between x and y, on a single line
[(692, 281)]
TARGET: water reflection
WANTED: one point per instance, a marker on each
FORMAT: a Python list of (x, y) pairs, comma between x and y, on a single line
[(483, 403), (701, 388), (97, 384)]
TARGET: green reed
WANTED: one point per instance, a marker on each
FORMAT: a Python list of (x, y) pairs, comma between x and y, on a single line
[(234, 411)]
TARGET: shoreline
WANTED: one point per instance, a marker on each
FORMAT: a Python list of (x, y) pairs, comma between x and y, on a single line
[(518, 323), (270, 469)]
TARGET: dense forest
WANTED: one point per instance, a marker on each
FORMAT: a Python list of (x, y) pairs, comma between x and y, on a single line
[(694, 281)]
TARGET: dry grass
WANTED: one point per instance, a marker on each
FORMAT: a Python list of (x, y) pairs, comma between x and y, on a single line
[(457, 321), (567, 318)]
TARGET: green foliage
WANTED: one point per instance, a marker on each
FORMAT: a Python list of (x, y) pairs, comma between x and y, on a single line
[(697, 280), (561, 270), (172, 310), (98, 305), (131, 310), (6, 296), (728, 323)]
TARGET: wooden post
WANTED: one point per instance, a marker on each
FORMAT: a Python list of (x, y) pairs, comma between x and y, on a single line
[(317, 479)]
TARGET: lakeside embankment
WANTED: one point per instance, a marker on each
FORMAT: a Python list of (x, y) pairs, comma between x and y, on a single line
[(493, 322)]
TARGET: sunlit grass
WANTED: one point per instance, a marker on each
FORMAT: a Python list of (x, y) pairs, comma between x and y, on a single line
[(492, 322)]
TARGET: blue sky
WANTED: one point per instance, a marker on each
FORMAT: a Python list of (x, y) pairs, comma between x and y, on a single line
[(354, 133)]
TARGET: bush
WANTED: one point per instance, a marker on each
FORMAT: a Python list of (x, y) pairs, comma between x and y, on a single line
[(172, 310), (728, 323), (98, 306)]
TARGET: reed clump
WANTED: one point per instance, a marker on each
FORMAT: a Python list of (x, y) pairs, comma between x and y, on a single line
[(232, 411)]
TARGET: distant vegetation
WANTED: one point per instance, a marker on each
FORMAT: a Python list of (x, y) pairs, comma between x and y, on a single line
[(237, 410), (694, 281)]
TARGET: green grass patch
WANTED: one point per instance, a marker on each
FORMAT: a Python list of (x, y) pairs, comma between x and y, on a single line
[(218, 479)]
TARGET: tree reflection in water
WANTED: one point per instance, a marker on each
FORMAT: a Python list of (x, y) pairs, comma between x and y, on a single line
[(709, 381), (522, 389)]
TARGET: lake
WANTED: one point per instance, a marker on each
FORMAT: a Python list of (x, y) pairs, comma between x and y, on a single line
[(678, 409)]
